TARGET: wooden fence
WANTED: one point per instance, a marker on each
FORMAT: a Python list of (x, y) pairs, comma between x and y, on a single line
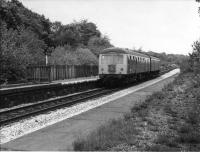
[(60, 72)]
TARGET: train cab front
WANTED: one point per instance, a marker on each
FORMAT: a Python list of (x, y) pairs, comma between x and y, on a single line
[(111, 68)]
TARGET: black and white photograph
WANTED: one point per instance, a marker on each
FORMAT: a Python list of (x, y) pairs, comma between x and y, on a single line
[(100, 75)]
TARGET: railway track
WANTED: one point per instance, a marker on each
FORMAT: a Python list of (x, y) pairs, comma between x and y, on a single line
[(14, 114)]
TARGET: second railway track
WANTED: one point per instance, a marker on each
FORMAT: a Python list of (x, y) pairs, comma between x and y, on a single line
[(15, 114)]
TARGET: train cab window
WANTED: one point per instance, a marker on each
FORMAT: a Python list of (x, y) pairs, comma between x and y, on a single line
[(112, 59)]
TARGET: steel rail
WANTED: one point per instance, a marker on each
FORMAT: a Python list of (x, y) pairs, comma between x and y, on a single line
[(15, 114)]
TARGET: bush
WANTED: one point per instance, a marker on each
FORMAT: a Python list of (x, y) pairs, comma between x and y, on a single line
[(70, 56), (114, 133)]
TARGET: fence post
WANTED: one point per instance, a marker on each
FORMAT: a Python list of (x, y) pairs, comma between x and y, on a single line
[(49, 73)]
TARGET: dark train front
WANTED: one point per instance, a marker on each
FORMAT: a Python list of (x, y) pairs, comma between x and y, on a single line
[(119, 66)]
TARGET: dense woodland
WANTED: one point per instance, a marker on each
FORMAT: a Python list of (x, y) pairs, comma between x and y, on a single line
[(26, 37)]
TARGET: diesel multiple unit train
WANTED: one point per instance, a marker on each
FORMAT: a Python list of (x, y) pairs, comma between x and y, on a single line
[(123, 65)]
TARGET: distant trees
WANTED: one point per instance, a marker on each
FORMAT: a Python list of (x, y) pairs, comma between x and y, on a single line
[(167, 59), (193, 63), (195, 55), (194, 60)]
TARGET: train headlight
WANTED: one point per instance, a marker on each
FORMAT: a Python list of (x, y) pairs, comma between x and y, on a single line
[(121, 69)]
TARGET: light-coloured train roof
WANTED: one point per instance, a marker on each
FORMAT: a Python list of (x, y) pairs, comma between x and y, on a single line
[(154, 58), (126, 51)]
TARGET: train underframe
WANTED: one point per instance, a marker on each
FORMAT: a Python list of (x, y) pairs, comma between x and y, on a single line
[(117, 80)]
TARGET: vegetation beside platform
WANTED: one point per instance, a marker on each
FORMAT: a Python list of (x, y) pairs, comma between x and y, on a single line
[(167, 120)]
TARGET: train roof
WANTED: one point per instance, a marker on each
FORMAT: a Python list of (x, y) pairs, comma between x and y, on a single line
[(154, 58), (126, 51)]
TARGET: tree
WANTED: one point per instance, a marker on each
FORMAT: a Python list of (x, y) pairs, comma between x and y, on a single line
[(97, 44), (66, 56), (75, 33), (195, 55), (87, 30), (19, 48)]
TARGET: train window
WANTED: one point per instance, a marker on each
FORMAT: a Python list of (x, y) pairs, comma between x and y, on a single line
[(112, 59)]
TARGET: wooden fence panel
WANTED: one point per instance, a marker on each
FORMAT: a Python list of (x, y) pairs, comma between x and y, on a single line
[(60, 72)]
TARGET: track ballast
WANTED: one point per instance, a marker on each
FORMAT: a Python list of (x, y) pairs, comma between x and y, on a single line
[(15, 114)]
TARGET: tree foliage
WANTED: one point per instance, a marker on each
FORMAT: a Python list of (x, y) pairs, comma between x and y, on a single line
[(75, 33), (97, 44), (27, 36), (194, 60), (16, 15), (19, 48), (68, 56)]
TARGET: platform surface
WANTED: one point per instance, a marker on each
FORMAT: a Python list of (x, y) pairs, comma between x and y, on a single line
[(60, 136), (65, 81)]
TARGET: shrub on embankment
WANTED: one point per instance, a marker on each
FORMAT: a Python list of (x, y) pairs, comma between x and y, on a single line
[(68, 56), (167, 120)]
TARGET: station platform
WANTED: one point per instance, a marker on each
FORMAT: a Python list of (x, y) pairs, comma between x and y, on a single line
[(46, 84), (61, 135)]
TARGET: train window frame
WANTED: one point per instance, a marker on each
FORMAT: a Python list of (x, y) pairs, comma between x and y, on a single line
[(113, 58)]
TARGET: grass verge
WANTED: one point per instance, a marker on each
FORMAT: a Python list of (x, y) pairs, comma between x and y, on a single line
[(167, 121)]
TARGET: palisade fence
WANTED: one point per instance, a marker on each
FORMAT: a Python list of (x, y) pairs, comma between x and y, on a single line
[(60, 72)]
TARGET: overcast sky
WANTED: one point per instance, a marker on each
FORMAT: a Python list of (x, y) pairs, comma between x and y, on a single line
[(168, 26)]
